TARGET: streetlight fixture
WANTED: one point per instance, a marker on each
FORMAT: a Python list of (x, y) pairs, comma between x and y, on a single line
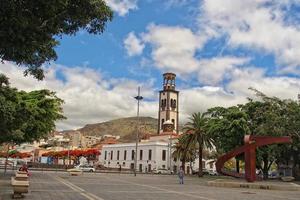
[(138, 98)]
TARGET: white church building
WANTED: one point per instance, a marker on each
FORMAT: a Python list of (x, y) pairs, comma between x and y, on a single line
[(151, 155), (154, 153)]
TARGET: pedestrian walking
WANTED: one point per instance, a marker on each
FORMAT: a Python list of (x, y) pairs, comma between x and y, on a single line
[(181, 175)]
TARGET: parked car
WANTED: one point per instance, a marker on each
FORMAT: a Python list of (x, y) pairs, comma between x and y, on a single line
[(204, 171), (212, 172), (162, 171), (273, 174), (86, 168)]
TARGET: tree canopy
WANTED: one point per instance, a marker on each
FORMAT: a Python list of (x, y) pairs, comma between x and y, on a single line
[(29, 30), (264, 116), (27, 116)]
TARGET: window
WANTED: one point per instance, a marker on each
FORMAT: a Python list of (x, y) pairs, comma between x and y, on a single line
[(150, 155), (105, 155), (141, 154), (162, 122), (111, 155), (125, 155), (164, 166), (163, 103), (132, 155), (132, 166), (164, 153), (118, 155), (140, 167), (173, 103)]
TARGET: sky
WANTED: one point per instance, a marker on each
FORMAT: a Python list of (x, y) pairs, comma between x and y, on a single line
[(217, 48)]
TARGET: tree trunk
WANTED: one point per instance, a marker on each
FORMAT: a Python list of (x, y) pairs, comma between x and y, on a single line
[(266, 167), (237, 165), (183, 165), (200, 172), (6, 159)]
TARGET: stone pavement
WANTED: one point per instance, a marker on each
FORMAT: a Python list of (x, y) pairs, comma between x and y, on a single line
[(96, 186)]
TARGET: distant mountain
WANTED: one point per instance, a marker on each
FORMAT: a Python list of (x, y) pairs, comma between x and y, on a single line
[(124, 127)]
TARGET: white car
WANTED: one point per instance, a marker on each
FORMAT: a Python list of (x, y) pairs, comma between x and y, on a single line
[(212, 172), (161, 171), (86, 168)]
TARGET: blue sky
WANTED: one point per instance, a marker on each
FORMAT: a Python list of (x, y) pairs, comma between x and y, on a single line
[(107, 53), (217, 48)]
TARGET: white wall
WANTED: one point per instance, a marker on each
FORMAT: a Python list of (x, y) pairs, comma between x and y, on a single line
[(155, 162)]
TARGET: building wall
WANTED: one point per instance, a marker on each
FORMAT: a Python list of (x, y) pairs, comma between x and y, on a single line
[(156, 160)]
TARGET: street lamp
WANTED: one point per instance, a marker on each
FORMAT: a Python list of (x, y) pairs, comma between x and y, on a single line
[(138, 98)]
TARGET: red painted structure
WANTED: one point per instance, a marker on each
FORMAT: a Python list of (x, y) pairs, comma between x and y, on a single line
[(249, 148)]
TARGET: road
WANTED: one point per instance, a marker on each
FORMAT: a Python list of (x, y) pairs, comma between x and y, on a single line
[(96, 186)]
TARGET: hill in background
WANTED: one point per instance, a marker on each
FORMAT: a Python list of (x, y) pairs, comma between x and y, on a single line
[(124, 127)]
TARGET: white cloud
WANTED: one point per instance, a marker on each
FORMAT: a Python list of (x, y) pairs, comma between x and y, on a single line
[(254, 24), (89, 97), (133, 45), (173, 48), (281, 86), (214, 70), (122, 7), (199, 99)]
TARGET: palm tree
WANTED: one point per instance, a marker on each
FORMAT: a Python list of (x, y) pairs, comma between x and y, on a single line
[(195, 128), (184, 150)]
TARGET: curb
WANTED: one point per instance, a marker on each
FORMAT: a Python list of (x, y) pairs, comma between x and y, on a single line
[(265, 186)]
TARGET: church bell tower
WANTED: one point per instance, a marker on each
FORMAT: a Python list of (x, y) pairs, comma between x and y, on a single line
[(168, 103)]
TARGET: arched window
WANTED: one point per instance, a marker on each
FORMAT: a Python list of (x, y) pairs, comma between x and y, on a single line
[(173, 103), (163, 103)]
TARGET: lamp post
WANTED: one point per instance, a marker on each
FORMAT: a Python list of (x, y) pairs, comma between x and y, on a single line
[(138, 98), (170, 153)]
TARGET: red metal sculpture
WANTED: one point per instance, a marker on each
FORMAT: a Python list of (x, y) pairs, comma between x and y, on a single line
[(249, 148)]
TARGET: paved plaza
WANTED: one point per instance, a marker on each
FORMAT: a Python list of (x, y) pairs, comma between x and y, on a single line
[(100, 186)]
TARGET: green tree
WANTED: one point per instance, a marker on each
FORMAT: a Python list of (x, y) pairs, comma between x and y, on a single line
[(228, 126), (27, 116), (196, 129), (271, 116), (29, 30)]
